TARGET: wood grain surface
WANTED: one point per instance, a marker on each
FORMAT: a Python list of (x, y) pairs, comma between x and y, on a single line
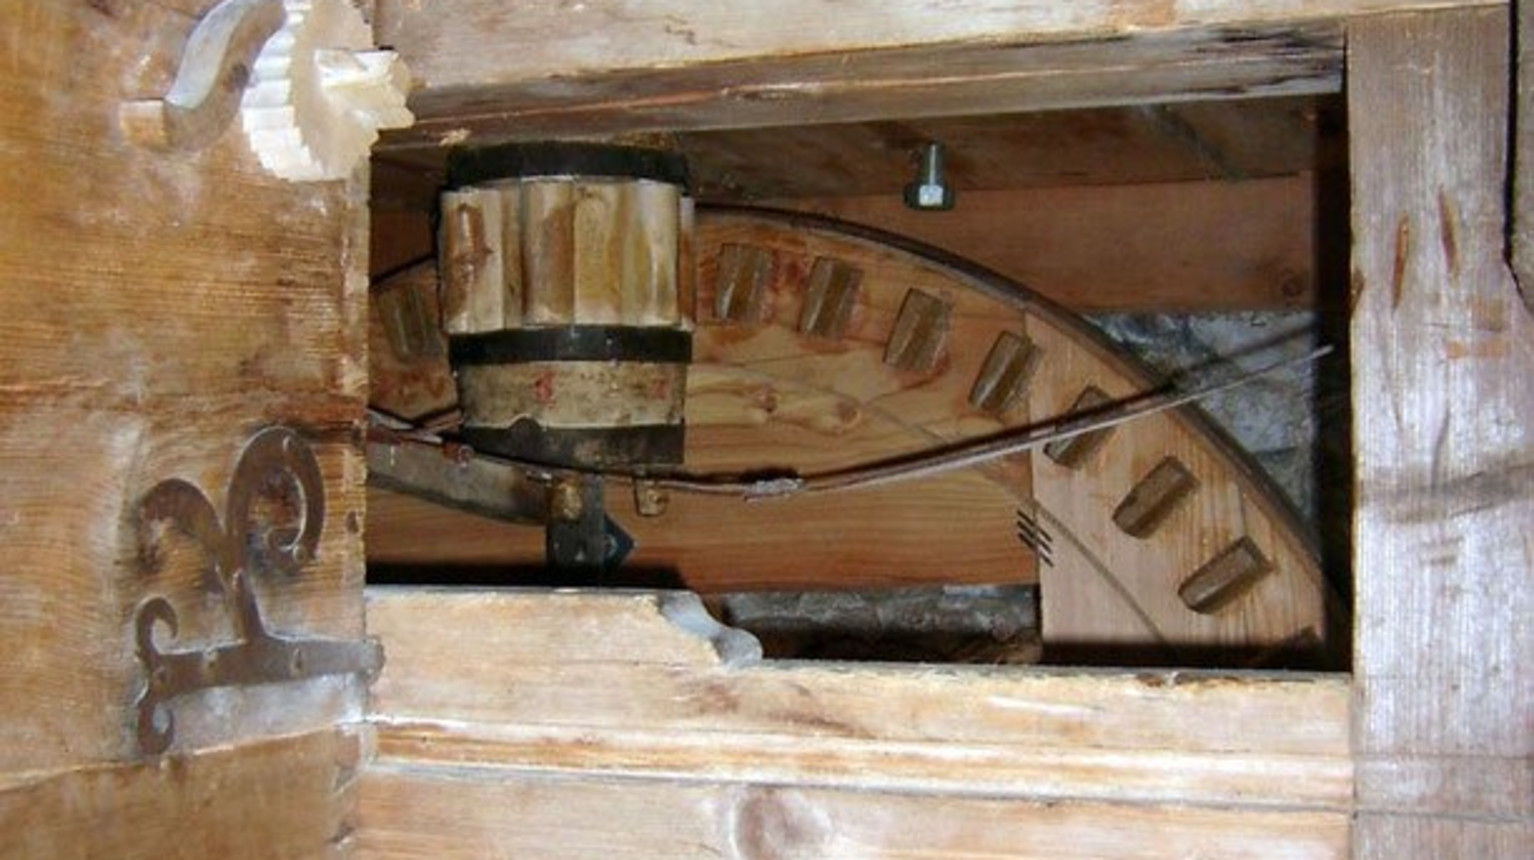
[(155, 310), (285, 797), (605, 714), (1443, 347)]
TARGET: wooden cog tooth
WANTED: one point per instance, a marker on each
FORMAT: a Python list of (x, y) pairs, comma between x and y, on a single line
[(740, 285), (1073, 452), (1004, 376), (828, 303), (1155, 498), (1227, 578), (921, 333)]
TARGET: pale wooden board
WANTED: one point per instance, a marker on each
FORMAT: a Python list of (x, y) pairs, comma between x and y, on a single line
[(1442, 351), (155, 311), (1134, 145), (409, 811), (608, 683), (1184, 246), (287, 797), (604, 67)]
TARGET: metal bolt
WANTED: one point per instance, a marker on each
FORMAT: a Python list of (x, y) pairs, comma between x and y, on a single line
[(649, 499), (930, 191)]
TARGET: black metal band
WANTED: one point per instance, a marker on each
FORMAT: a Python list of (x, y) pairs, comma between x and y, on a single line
[(583, 447), (472, 166), (573, 343)]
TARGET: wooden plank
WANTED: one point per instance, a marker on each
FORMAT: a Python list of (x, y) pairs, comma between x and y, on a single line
[(638, 706), (410, 811), (1166, 247), (1442, 352), (1134, 145), (607, 683), (1138, 145), (285, 797), (856, 85), (155, 309), (605, 67)]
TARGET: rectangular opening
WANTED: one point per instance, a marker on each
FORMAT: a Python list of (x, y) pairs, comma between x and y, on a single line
[(1124, 247)]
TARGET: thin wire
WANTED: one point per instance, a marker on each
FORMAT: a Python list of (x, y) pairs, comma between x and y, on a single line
[(929, 462)]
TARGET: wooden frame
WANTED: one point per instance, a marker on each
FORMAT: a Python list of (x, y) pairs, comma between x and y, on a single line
[(1426, 782)]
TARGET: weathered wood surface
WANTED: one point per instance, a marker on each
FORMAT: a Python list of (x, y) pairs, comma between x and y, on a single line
[(1228, 141), (1522, 221), (490, 71), (287, 797), (155, 310), (412, 811), (552, 252), (763, 392), (1443, 350), (1184, 246), (592, 691)]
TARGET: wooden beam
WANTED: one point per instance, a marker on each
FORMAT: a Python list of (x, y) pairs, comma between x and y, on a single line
[(1522, 221), (155, 309), (414, 812), (1165, 247), (282, 797), (654, 696), (1175, 247), (590, 689), (1442, 351), (490, 71)]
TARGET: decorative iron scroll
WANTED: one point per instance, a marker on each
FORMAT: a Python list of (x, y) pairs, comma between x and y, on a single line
[(275, 465)]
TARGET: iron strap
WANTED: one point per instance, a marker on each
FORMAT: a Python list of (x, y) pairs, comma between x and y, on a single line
[(473, 166), (573, 343)]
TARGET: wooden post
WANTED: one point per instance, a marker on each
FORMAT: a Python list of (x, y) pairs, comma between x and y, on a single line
[(1442, 354)]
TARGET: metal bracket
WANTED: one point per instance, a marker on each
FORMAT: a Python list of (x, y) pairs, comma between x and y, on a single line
[(276, 464), (214, 69)]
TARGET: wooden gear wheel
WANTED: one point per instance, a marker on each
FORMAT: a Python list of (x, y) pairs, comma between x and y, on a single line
[(818, 346)]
